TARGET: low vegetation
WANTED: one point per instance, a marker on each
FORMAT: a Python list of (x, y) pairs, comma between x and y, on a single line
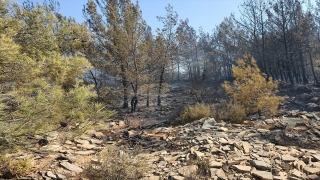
[(195, 112), (230, 112), (251, 89), (14, 168), (251, 92), (115, 164)]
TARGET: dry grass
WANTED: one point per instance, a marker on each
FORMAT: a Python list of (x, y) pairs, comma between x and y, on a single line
[(115, 164), (231, 112), (14, 168), (195, 112), (203, 171)]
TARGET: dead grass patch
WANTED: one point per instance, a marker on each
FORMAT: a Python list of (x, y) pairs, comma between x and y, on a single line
[(115, 163)]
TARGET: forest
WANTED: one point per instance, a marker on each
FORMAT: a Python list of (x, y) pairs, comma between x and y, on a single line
[(56, 72)]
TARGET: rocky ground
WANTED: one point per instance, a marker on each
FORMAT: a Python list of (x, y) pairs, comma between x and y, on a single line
[(281, 148), (284, 147)]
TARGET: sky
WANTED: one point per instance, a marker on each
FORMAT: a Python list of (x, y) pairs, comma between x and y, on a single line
[(204, 13)]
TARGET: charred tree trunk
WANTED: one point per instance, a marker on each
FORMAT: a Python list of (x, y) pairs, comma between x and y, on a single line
[(134, 103), (160, 85), (312, 68)]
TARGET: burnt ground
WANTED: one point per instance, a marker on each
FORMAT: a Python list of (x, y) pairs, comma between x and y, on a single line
[(301, 97), (181, 94)]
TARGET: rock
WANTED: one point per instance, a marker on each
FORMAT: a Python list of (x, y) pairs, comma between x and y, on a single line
[(71, 167), (297, 174), (51, 175), (199, 154), (312, 105), (220, 174), (209, 123), (225, 148), (90, 132), (242, 169), (215, 164), (301, 128), (98, 135), (264, 175), (52, 147), (86, 146), (316, 164), (188, 170), (223, 129), (153, 178), (81, 141), (316, 157), (316, 116), (246, 147), (178, 177), (300, 165), (269, 121), (288, 158), (310, 170), (261, 165), (313, 176), (66, 157), (60, 176), (85, 152), (213, 172), (68, 142)]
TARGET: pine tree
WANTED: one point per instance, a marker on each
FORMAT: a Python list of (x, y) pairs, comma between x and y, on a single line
[(251, 89), (41, 85), (119, 31)]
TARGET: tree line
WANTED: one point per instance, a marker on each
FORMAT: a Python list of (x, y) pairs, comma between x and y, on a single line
[(57, 69), (283, 36)]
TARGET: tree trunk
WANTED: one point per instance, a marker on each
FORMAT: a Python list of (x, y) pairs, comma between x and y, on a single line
[(95, 84), (134, 103), (125, 85), (160, 85), (148, 96), (304, 77), (312, 68), (125, 95), (178, 71)]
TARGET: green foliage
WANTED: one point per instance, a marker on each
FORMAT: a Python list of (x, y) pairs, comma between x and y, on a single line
[(116, 164), (40, 79), (13, 168), (251, 89)]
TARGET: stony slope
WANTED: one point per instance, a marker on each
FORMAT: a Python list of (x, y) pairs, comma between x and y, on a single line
[(281, 148)]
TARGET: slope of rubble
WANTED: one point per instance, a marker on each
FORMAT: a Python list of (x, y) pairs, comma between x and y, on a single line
[(281, 148)]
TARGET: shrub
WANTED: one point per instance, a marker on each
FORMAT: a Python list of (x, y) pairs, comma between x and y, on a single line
[(251, 89), (116, 164), (13, 168), (232, 112), (195, 112)]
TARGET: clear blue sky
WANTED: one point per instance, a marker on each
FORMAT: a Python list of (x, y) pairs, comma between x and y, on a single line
[(204, 13)]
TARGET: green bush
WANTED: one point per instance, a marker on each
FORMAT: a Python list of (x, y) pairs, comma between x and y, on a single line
[(115, 164)]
